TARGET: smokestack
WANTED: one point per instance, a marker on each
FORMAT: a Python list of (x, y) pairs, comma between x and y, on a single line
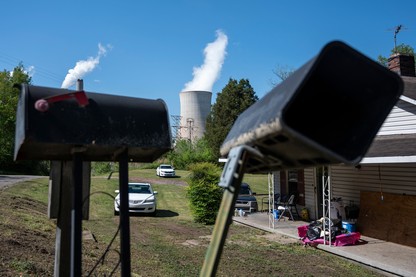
[(195, 107), (80, 85), (402, 64)]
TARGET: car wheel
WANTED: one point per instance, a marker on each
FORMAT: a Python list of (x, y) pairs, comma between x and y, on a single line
[(116, 213)]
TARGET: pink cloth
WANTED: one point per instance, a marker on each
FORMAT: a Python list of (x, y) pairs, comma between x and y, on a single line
[(341, 240)]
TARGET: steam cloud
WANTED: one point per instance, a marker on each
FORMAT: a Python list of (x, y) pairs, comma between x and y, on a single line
[(83, 67), (208, 73)]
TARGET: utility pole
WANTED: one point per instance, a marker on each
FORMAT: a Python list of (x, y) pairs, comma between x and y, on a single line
[(190, 124)]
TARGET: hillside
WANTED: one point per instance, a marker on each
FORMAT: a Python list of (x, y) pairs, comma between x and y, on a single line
[(169, 244)]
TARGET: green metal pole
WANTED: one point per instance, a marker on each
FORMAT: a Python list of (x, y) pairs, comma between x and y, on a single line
[(231, 180)]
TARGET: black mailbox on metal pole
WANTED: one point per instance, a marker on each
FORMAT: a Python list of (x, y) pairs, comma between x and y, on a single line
[(64, 125), (327, 112)]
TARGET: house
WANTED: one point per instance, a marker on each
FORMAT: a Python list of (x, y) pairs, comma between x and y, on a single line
[(382, 186)]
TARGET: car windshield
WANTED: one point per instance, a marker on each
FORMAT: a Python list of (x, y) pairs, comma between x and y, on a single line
[(139, 188), (244, 190), (166, 167)]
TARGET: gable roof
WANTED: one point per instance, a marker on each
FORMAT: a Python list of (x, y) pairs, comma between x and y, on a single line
[(396, 139)]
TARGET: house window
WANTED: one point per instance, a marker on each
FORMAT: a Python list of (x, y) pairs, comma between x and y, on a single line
[(292, 182)]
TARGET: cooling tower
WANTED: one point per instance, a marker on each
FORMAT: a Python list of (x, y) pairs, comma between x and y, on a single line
[(195, 107)]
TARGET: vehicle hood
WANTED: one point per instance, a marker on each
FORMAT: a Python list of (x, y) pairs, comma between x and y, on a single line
[(138, 196), (167, 170)]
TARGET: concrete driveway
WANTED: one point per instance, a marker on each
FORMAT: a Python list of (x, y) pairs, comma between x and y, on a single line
[(391, 258)]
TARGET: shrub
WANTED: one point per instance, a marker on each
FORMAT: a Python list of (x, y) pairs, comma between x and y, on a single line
[(186, 153), (100, 168), (204, 193)]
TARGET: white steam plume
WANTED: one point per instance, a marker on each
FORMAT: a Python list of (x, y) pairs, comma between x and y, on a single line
[(83, 67), (208, 73)]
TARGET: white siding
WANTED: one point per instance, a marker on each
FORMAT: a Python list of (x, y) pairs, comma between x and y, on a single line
[(310, 185), (401, 120), (347, 182)]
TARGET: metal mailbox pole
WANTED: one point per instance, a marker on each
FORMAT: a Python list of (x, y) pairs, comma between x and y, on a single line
[(231, 181), (76, 215), (124, 213)]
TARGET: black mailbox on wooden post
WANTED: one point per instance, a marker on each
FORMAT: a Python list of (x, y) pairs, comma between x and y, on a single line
[(64, 125), (102, 126)]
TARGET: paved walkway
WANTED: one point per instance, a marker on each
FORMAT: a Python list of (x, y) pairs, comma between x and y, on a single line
[(394, 259)]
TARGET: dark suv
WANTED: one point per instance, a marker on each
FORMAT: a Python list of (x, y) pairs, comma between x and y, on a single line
[(246, 200)]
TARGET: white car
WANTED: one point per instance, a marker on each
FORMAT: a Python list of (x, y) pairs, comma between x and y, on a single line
[(142, 199), (165, 170)]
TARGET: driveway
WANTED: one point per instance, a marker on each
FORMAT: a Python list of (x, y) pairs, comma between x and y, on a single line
[(9, 180)]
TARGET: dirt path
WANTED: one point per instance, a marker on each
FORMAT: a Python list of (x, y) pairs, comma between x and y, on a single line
[(9, 180), (160, 181)]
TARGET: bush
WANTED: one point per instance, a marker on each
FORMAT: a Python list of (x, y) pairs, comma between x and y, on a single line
[(204, 193), (152, 165), (186, 153), (100, 168)]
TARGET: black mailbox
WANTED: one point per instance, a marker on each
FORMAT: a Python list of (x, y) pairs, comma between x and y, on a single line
[(327, 112), (100, 127)]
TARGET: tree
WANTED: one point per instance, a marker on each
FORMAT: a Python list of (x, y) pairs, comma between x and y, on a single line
[(282, 72), (9, 95), (400, 49), (186, 153), (234, 98)]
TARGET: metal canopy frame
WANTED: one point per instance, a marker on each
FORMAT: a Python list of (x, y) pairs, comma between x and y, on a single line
[(326, 206), (270, 182)]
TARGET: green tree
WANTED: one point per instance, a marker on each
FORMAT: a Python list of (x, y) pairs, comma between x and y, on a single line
[(203, 192), (9, 95), (186, 153), (400, 49), (234, 98)]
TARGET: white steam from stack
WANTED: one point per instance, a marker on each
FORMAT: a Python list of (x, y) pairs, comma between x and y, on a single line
[(195, 98), (83, 67)]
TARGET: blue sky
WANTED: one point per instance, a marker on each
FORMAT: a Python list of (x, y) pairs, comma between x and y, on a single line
[(149, 49)]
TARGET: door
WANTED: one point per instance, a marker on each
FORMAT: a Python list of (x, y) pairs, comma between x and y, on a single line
[(321, 177), (293, 182)]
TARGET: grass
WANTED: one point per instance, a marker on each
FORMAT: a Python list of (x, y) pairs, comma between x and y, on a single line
[(36, 189), (151, 173), (170, 244)]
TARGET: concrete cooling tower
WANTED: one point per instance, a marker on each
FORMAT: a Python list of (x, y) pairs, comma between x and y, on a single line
[(195, 107)]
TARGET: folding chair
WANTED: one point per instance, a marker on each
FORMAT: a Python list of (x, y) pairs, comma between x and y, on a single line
[(292, 205), (286, 208)]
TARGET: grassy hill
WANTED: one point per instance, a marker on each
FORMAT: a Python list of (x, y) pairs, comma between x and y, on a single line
[(170, 244)]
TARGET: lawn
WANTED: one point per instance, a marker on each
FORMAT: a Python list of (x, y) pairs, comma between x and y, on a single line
[(170, 244)]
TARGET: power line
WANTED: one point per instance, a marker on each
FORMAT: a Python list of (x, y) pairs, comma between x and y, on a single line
[(38, 70)]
